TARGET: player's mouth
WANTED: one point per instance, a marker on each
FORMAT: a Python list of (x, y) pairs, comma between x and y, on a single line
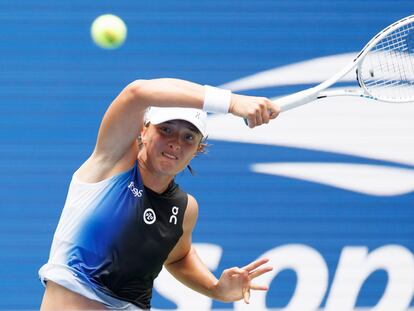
[(169, 156)]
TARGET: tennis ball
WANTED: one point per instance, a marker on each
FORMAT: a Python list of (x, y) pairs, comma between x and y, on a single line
[(108, 31)]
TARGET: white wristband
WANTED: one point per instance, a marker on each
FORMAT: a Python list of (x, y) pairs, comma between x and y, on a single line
[(216, 100)]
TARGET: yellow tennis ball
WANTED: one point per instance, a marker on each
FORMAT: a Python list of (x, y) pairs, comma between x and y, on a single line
[(108, 31)]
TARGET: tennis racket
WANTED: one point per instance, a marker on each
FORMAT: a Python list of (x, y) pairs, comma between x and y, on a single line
[(384, 70)]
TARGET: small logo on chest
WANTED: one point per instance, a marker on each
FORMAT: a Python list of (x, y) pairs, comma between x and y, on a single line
[(173, 218), (149, 216), (135, 191)]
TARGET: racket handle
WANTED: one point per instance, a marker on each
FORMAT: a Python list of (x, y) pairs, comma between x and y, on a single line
[(294, 100)]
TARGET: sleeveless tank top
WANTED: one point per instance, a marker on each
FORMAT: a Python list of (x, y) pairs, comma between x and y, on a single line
[(115, 235)]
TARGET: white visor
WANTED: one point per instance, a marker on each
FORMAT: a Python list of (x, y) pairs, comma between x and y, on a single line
[(196, 117)]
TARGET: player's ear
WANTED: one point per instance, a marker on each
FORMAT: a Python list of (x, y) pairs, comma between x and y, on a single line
[(197, 151), (201, 147), (144, 132)]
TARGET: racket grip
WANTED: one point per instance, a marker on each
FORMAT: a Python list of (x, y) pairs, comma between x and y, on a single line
[(294, 100)]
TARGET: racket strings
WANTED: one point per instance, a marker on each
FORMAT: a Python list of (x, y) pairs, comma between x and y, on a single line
[(387, 71), (395, 59)]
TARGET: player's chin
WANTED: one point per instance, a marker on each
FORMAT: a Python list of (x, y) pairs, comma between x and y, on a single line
[(171, 167)]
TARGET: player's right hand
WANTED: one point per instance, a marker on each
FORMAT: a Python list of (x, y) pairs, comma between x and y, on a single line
[(256, 110)]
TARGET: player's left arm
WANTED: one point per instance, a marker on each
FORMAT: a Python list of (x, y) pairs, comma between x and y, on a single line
[(183, 262), (185, 265)]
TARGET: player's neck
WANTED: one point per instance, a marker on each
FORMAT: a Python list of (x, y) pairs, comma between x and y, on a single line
[(157, 182)]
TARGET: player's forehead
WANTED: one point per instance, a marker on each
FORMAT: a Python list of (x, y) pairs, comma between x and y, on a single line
[(181, 124)]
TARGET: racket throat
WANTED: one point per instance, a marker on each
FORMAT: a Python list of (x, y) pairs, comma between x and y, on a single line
[(294, 100)]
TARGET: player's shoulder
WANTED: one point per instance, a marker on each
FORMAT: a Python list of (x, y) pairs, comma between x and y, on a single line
[(98, 167), (191, 212), (192, 202), (176, 191)]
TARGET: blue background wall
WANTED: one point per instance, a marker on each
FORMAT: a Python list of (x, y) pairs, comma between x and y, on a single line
[(55, 85)]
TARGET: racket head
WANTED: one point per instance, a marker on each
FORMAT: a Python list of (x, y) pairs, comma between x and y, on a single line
[(386, 68)]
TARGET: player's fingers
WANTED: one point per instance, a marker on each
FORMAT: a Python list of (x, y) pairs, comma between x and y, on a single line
[(273, 109), (232, 271), (259, 119), (259, 272), (251, 114), (258, 287), (246, 296), (264, 113), (251, 120), (257, 263)]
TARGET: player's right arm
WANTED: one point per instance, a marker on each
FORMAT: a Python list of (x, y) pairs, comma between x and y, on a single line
[(124, 118), (116, 147)]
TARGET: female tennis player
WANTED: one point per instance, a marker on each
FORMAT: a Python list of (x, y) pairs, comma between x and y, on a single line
[(125, 217)]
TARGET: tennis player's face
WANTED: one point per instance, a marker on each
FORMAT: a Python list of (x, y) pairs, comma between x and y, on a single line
[(171, 145)]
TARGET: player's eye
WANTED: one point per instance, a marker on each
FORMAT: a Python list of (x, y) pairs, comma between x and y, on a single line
[(165, 129), (189, 137)]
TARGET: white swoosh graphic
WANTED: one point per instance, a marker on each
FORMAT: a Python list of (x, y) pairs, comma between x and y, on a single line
[(375, 180), (306, 72), (345, 125)]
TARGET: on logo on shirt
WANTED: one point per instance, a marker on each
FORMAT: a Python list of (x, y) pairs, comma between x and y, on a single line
[(173, 218)]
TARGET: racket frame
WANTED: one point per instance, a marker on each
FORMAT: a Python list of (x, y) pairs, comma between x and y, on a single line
[(303, 97)]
